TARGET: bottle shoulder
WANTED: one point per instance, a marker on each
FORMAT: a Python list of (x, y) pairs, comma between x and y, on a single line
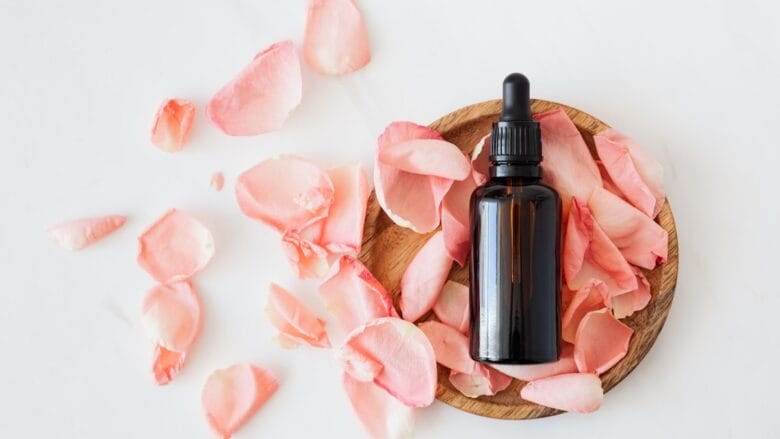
[(509, 189)]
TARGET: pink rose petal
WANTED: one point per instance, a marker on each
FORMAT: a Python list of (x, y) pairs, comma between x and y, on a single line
[(593, 296), (480, 161), (175, 247), (262, 96), (293, 319), (231, 396), (452, 307), (424, 278), (172, 317), (641, 240), (343, 228), (434, 157), (353, 295), (287, 193), (75, 235), (627, 304), (571, 392), (359, 365), (638, 175), (455, 220), (172, 124), (601, 342), (407, 358), (484, 381), (451, 347), (530, 372), (335, 41), (308, 260), (217, 181), (383, 416)]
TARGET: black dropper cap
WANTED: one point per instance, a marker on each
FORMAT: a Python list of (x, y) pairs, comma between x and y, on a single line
[(516, 138)]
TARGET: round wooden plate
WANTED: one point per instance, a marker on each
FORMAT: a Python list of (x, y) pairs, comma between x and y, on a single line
[(389, 248)]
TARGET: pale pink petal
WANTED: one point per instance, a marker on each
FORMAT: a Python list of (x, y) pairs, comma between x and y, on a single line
[(172, 124), (353, 295), (407, 358), (175, 247), (452, 307), (571, 392), (607, 181), (262, 96), (231, 396), (484, 381), (172, 317), (424, 278), (335, 41), (308, 260), (601, 341), (641, 240), (383, 416), (529, 372), (455, 220), (294, 319), (343, 227), (593, 296), (360, 366), (589, 254), (451, 347), (75, 235), (480, 161), (627, 304), (638, 175), (434, 157), (567, 166), (217, 181), (287, 193)]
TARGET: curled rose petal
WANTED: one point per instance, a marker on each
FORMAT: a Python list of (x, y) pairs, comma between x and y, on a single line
[(287, 193), (262, 96), (455, 220), (593, 296), (480, 161), (641, 240), (434, 157), (308, 260), (632, 169), (172, 124), (424, 278), (293, 319), (530, 372), (627, 304), (231, 396), (343, 228), (484, 381), (451, 347), (75, 235), (172, 317), (571, 392), (601, 342), (589, 254), (383, 416), (357, 364), (407, 358), (175, 247), (353, 295), (452, 307), (335, 41), (217, 181)]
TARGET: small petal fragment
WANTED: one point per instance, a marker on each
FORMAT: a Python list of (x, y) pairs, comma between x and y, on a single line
[(293, 319), (353, 295), (485, 381), (530, 372), (262, 96), (75, 235), (175, 247), (172, 124), (452, 308), (601, 342), (217, 181), (451, 347), (627, 304), (424, 278), (287, 193), (571, 392), (383, 416), (593, 296), (231, 396), (343, 228), (407, 358), (335, 41), (308, 260)]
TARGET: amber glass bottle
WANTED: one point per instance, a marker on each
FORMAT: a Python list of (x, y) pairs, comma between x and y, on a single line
[(515, 264)]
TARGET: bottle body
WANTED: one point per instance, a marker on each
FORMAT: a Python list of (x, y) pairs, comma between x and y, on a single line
[(515, 272)]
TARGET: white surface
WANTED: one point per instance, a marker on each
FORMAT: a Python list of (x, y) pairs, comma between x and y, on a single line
[(697, 84)]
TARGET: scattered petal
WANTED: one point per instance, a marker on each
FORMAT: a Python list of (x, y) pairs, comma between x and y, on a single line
[(383, 416), (231, 396), (262, 96), (217, 181), (451, 347), (408, 360), (172, 317), (455, 220), (452, 308), (75, 235), (627, 304), (571, 392), (343, 228), (335, 41), (353, 295), (287, 193), (308, 260), (424, 278), (601, 342), (485, 381), (172, 124), (175, 247), (593, 296), (530, 372), (293, 319), (357, 364)]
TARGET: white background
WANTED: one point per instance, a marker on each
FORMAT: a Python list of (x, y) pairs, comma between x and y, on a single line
[(696, 82)]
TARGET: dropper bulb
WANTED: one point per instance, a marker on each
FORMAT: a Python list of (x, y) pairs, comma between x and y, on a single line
[(516, 98)]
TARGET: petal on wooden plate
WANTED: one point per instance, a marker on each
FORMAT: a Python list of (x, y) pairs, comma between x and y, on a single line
[(293, 319), (434, 157), (571, 392), (343, 228), (455, 218), (335, 41), (451, 347), (424, 278), (383, 416), (594, 295), (484, 381), (627, 304), (452, 307), (529, 372), (172, 124), (77, 234), (601, 341)]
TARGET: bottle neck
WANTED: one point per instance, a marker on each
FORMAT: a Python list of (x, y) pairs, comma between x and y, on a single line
[(526, 171)]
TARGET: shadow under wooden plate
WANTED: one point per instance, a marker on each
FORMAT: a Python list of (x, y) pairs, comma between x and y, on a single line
[(388, 249)]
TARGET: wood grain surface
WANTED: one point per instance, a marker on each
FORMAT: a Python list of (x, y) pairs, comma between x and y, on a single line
[(389, 248)]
